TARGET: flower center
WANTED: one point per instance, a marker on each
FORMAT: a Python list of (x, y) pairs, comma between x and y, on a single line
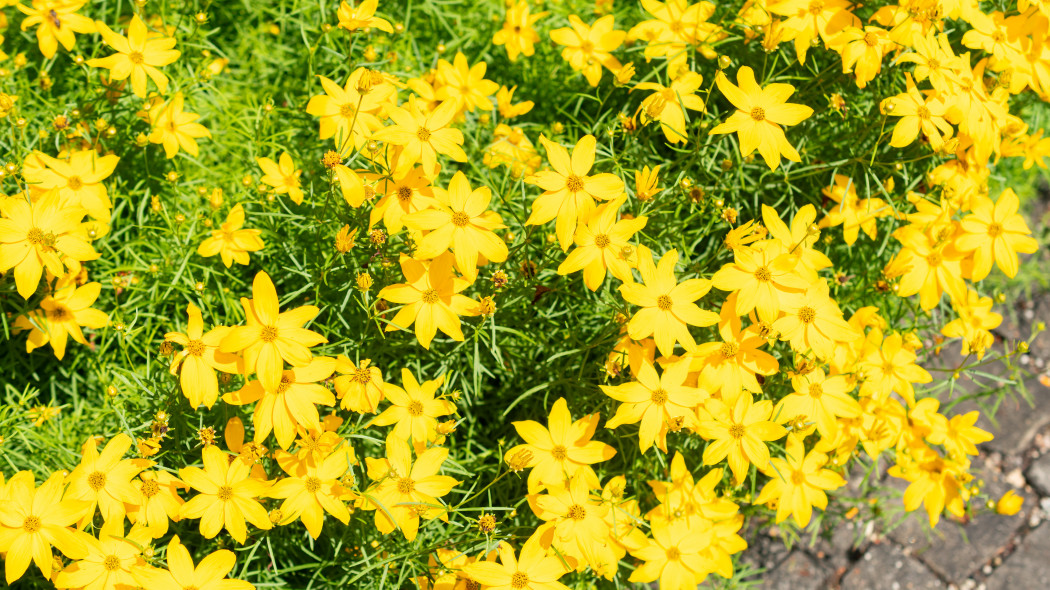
[(577, 512), (111, 563), (430, 296), (405, 485), (664, 302), (268, 334), (35, 236), (460, 219), (924, 113), (286, 382), (762, 273), (31, 524), (59, 314), (225, 493), (871, 39), (574, 183), (807, 314), (758, 114), (816, 7), (559, 453), (135, 57), (587, 47), (97, 480), (728, 350), (423, 134), (933, 64), (362, 376), (673, 554), (312, 484), (347, 110), (736, 431), (150, 488), (404, 194), (74, 183), (994, 229), (934, 259), (519, 580), (601, 240), (415, 408), (658, 397), (798, 478), (195, 347), (815, 390)]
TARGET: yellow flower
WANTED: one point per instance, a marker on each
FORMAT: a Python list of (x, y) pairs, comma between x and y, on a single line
[(974, 324), (819, 399), (271, 337), (137, 56), (759, 116), (347, 113), (159, 501), (424, 135), (282, 176), (862, 51), (407, 491), (762, 277), (668, 104), (103, 480), (430, 298), (570, 192), (928, 268), (739, 432), (362, 16), (731, 366), (401, 193), (200, 358), (532, 570), (807, 21), (668, 307), (230, 242), (918, 113), (56, 21), (557, 454), (579, 524), (517, 34), (464, 85), (111, 561), (602, 245), (588, 48), (358, 386), (645, 183), (890, 367), (35, 519), (174, 128), (291, 404), (209, 574), (799, 238), (78, 179), (311, 492), (62, 314), (1009, 504), (414, 411), (812, 321), (38, 235), (504, 100), (995, 232), (798, 483), (672, 556), (227, 496), (852, 212), (656, 401)]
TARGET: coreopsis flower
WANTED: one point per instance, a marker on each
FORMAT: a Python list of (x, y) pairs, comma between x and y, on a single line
[(414, 410), (227, 496), (359, 386), (291, 404), (209, 574), (103, 480), (656, 401), (1009, 503), (282, 176), (850, 211), (33, 520), (672, 556), (445, 569), (974, 324), (62, 315), (78, 179), (400, 194), (430, 298), (934, 58), (927, 268), (460, 221), (739, 432), (561, 452), (812, 321), (231, 242), (517, 35), (41, 234), (798, 483), (672, 30), (271, 337), (311, 492), (862, 51), (668, 104), (602, 244), (934, 482), (505, 103), (645, 183), (918, 113), (890, 367), (799, 237), (159, 501), (731, 366), (960, 437), (348, 114), (424, 135), (569, 191), (362, 16), (759, 116), (589, 48), (806, 21), (464, 84), (684, 500), (406, 491), (821, 399), (533, 569), (668, 307), (56, 21), (579, 524), (137, 57), (111, 560), (995, 231), (200, 358), (175, 128), (762, 277)]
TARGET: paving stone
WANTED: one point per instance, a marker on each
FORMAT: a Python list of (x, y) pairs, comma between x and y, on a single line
[(798, 571), (1039, 474), (886, 567), (1027, 567), (954, 550)]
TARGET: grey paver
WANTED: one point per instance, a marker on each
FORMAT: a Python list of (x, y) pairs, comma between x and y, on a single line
[(886, 567), (1039, 474), (798, 571), (1028, 566)]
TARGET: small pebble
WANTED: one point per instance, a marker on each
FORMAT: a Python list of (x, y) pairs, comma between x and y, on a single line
[(986, 570), (1015, 478)]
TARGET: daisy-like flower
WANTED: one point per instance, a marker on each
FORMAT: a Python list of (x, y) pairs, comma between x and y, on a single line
[(672, 556), (761, 277), (465, 84), (656, 401), (570, 192), (55, 22), (918, 113), (78, 179), (890, 367), (400, 194), (414, 411), (406, 491), (517, 35), (282, 176), (668, 307), (231, 242), (739, 432), (645, 183), (175, 128), (995, 232), (460, 221), (359, 386), (862, 51), (362, 16), (928, 268), (228, 496), (560, 451), (111, 560), (668, 104), (103, 480), (759, 116), (799, 482), (209, 574), (589, 48), (137, 57), (430, 298), (346, 113), (533, 569), (159, 502), (812, 321), (309, 493), (580, 524), (35, 519), (200, 358), (41, 234), (730, 366), (820, 399), (62, 315), (271, 337), (602, 244), (850, 211), (424, 135)]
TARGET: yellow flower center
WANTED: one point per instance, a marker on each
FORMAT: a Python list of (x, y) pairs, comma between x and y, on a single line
[(31, 524), (35, 236), (664, 302), (816, 7), (404, 194), (405, 485), (934, 259), (111, 563), (225, 493), (994, 229), (430, 296), (762, 273), (460, 219), (924, 113), (559, 453), (347, 110), (736, 431), (60, 314), (574, 183), (758, 114), (815, 390), (136, 57), (577, 512), (423, 134), (519, 580), (74, 183), (195, 347), (601, 240), (312, 484), (286, 382), (673, 554), (871, 39), (150, 488), (728, 350), (97, 480), (415, 408), (268, 334), (587, 47), (798, 478), (362, 376), (807, 314), (658, 397), (933, 64), (998, 36)]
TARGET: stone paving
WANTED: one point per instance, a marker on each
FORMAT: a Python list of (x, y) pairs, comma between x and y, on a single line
[(990, 551)]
